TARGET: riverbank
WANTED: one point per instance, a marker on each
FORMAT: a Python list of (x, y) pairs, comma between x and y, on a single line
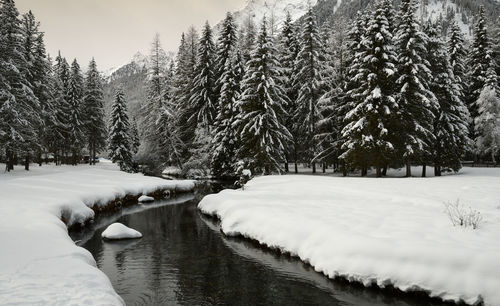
[(384, 232), (40, 264)]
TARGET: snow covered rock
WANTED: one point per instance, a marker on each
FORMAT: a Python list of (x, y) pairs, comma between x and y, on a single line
[(117, 231), (145, 199)]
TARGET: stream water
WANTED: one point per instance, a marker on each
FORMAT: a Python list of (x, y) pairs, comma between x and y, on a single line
[(184, 259)]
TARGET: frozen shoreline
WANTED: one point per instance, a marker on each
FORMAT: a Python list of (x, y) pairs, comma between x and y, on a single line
[(40, 262), (382, 231)]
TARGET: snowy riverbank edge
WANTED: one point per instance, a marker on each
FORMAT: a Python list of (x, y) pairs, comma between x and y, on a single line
[(390, 231), (40, 264)]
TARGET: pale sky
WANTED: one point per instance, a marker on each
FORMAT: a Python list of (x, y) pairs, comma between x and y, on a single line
[(114, 30)]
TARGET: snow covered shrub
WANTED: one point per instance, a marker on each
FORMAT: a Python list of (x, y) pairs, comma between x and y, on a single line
[(461, 216), (244, 175)]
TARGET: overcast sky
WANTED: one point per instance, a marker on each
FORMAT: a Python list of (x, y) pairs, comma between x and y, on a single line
[(114, 30)]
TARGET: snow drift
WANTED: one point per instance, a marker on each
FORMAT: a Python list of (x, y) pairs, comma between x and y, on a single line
[(40, 264), (384, 231)]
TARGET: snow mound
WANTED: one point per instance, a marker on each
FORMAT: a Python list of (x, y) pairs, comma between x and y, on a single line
[(117, 231), (382, 231), (145, 199)]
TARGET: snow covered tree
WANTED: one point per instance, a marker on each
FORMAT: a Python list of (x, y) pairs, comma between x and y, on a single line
[(369, 132), (457, 54), (61, 82), (479, 62), (487, 123), (38, 76), (76, 123), (496, 44), (247, 38), (19, 107), (288, 51), (451, 118), (225, 141), (203, 99), (182, 83), (225, 49), (262, 133), (310, 63), (93, 112), (417, 104), (119, 136)]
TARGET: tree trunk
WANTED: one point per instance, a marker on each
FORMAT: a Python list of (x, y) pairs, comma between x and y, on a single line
[(379, 170), (344, 168), (424, 170), (437, 170), (384, 170), (314, 167), (324, 167), (408, 168), (286, 166), (364, 171), (27, 162)]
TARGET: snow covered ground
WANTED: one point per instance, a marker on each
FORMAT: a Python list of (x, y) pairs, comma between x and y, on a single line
[(388, 231), (40, 264)]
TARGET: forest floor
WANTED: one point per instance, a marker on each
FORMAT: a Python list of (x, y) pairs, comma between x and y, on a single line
[(391, 231), (40, 264)]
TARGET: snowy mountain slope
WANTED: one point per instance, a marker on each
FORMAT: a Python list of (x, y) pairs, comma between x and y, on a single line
[(137, 62), (274, 10)]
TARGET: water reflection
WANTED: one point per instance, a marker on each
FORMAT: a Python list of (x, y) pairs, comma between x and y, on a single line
[(183, 259)]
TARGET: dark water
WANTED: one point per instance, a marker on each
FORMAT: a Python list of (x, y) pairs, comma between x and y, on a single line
[(183, 259)]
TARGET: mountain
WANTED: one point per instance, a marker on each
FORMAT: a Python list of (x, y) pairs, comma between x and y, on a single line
[(131, 77)]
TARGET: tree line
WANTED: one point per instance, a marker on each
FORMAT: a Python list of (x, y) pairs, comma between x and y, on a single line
[(47, 107), (385, 90)]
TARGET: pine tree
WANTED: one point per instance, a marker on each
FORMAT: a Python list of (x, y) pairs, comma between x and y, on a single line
[(76, 124), (19, 107), (369, 132), (496, 45), (119, 137), (288, 51), (225, 49), (479, 62), (203, 98), (308, 80), (225, 141), (38, 77), (260, 124), (93, 112), (152, 109), (457, 54), (247, 39), (451, 118), (182, 83), (61, 82), (417, 103)]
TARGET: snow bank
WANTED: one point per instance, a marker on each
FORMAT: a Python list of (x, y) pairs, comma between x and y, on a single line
[(117, 231), (40, 264), (383, 231), (145, 199)]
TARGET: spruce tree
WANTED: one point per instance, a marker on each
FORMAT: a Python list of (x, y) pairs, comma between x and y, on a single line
[(457, 54), (61, 82), (479, 62), (19, 107), (225, 141), (288, 51), (417, 104), (76, 124), (203, 92), (451, 118), (135, 140), (369, 133), (119, 136), (93, 112), (225, 49), (260, 123), (310, 63)]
